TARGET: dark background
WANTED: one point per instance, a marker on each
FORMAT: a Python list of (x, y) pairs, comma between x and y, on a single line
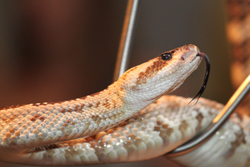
[(59, 50)]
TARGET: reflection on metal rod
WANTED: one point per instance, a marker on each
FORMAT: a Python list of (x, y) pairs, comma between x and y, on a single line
[(217, 122), (125, 42)]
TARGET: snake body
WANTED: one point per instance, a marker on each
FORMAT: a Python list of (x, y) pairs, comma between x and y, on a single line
[(87, 130), (34, 126), (153, 131)]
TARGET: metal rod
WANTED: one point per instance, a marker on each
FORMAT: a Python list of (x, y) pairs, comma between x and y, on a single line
[(217, 121), (126, 37)]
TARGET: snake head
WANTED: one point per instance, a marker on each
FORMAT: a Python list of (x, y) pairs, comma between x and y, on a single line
[(147, 82)]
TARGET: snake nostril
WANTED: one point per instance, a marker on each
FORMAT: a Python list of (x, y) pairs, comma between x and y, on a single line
[(182, 58)]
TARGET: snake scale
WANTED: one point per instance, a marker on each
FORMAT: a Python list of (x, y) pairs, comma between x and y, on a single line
[(131, 120)]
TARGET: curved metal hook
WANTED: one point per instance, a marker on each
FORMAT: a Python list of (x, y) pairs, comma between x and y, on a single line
[(218, 121)]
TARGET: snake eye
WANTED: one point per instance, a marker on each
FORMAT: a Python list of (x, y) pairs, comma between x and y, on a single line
[(166, 56)]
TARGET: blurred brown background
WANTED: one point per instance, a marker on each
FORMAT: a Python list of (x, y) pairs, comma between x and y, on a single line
[(59, 50)]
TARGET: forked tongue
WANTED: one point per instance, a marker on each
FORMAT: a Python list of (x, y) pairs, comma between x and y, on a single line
[(203, 87)]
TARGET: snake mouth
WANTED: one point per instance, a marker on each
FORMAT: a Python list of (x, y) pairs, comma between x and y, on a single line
[(206, 75)]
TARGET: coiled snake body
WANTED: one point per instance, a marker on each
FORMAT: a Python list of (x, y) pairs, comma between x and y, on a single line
[(72, 132)]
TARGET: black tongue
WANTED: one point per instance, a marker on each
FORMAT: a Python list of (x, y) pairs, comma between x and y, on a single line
[(203, 87)]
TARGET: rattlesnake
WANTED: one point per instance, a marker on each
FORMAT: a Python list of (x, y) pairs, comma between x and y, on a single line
[(72, 132)]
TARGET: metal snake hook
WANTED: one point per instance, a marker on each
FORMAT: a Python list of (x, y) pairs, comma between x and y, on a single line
[(126, 38), (218, 121)]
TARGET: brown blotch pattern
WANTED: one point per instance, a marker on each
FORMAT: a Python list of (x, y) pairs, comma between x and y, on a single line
[(96, 118), (17, 133), (76, 108), (41, 118), (114, 103), (9, 120), (157, 128), (97, 104), (240, 139), (34, 117), (169, 131), (199, 117), (90, 105), (12, 130), (99, 135), (150, 71), (183, 126), (110, 131), (106, 104)]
